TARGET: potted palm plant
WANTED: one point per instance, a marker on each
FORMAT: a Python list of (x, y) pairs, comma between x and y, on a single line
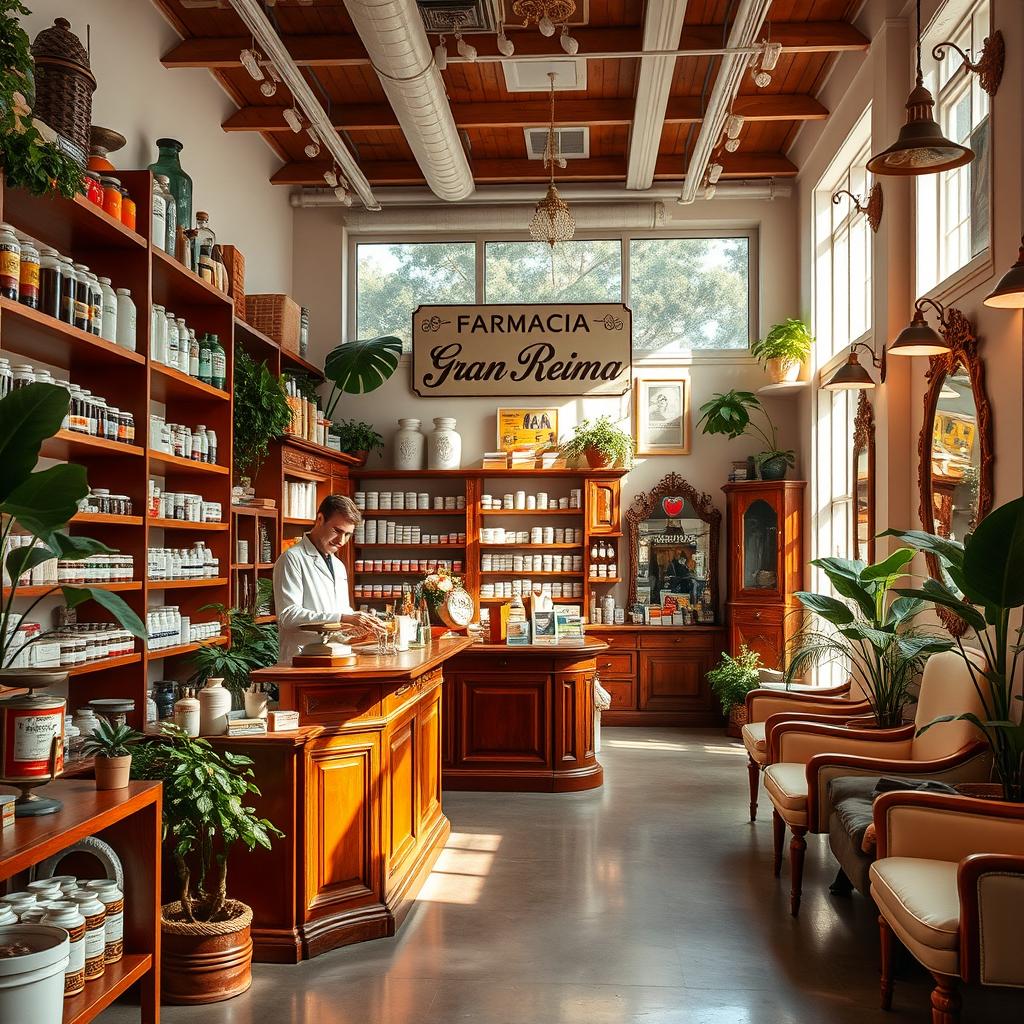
[(983, 583), (869, 627), (601, 442), (357, 438), (111, 746), (206, 949), (729, 414), (783, 350), (731, 680)]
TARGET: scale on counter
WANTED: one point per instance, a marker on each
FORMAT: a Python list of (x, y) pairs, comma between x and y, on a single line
[(331, 650)]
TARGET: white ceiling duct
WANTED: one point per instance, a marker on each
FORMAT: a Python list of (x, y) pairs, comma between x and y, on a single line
[(745, 27), (663, 23), (393, 34), (251, 12)]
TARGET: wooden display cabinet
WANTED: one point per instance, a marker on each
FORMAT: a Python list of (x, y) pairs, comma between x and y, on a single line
[(246, 524), (765, 566)]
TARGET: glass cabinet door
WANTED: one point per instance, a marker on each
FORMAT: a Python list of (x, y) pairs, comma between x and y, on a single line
[(760, 539)]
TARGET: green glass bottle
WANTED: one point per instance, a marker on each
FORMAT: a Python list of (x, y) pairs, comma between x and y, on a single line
[(205, 360), (219, 364), (179, 183)]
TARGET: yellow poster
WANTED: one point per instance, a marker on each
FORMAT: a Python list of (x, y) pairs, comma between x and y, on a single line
[(527, 429)]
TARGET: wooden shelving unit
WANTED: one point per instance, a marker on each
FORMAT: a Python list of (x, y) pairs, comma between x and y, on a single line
[(247, 524), (130, 821)]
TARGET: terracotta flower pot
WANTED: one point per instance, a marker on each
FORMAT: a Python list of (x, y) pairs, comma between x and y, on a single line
[(597, 459), (205, 962), (361, 456), (782, 370), (112, 772)]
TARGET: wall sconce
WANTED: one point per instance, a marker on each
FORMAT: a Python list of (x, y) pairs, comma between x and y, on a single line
[(1009, 293), (918, 339), (873, 207), (851, 376), (989, 68)]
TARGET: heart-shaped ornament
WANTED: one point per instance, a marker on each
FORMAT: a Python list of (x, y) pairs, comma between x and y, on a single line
[(672, 506)]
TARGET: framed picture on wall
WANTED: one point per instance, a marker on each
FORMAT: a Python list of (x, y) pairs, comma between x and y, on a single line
[(661, 415), (533, 429)]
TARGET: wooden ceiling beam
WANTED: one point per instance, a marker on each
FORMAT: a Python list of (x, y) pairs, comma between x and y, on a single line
[(534, 113), (340, 50), (492, 171)]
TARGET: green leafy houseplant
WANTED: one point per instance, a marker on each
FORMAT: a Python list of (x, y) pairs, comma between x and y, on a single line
[(357, 438), (732, 678), (109, 740), (786, 346), (729, 414), (871, 628), (984, 585), (261, 412), (204, 815), (601, 442), (26, 158), (359, 367), (40, 505)]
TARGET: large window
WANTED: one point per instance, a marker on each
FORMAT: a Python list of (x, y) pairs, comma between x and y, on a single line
[(953, 207), (576, 271), (842, 237), (690, 293), (393, 279), (693, 293)]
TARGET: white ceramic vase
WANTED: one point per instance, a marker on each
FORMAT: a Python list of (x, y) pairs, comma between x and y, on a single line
[(214, 707), (410, 445), (444, 445)]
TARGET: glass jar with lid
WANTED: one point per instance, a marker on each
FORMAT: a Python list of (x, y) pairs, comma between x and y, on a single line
[(68, 283), (95, 305), (6, 378), (108, 318), (50, 282), (28, 274), (10, 262), (158, 335), (171, 214), (22, 375)]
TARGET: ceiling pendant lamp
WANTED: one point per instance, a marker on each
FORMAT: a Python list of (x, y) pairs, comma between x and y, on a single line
[(544, 14), (552, 219), (1009, 293), (921, 148)]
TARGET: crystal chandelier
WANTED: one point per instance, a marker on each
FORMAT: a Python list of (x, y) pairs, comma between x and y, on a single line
[(544, 13), (552, 219)]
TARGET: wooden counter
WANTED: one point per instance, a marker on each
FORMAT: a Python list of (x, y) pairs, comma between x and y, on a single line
[(521, 719), (357, 792)]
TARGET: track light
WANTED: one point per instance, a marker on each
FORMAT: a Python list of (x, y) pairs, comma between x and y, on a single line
[(709, 192), (570, 45), (762, 79), (505, 45), (293, 119), (465, 49), (714, 173), (331, 178), (731, 145), (546, 26), (733, 125), (251, 62), (770, 56), (441, 55), (312, 149), (268, 88), (343, 194)]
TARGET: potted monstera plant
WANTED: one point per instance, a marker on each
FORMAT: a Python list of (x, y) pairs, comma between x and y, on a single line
[(730, 414)]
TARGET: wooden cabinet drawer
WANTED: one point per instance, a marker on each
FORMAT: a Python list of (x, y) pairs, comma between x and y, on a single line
[(617, 641), (617, 663), (623, 693), (762, 630), (673, 638)]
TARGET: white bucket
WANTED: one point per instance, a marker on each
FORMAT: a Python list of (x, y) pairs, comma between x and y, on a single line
[(32, 984)]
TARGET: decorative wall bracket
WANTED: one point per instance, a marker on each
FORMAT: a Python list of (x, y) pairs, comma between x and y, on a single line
[(988, 68), (873, 206)]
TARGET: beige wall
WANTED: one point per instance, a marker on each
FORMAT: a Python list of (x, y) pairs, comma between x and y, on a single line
[(144, 101), (319, 274)]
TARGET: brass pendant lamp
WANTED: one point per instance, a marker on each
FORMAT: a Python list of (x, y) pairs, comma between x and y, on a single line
[(552, 219), (1009, 293), (921, 148)]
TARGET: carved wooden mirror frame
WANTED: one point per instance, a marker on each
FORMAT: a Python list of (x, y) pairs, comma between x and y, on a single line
[(644, 504), (958, 333), (864, 440)]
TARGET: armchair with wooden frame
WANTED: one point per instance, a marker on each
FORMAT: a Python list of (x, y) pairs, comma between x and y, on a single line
[(803, 757), (948, 882)]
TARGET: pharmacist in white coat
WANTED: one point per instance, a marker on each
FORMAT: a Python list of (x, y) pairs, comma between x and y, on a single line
[(311, 584)]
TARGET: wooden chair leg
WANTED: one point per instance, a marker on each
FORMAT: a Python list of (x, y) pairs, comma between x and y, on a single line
[(754, 775), (945, 1000), (778, 837), (885, 934), (797, 846)]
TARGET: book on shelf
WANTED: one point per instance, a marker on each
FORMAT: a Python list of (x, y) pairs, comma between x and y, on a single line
[(552, 460), (495, 460), (523, 460)]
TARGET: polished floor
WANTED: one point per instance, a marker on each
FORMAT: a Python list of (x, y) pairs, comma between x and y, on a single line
[(650, 901)]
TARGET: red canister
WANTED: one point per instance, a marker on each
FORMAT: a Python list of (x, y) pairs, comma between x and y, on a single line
[(29, 725), (93, 188)]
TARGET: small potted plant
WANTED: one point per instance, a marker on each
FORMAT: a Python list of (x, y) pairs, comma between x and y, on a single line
[(357, 438), (111, 746), (600, 442), (729, 414), (261, 413), (730, 680), (783, 350)]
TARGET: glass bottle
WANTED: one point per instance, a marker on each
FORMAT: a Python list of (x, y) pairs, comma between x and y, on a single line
[(170, 214), (202, 235), (172, 341), (193, 353), (10, 262), (204, 267), (83, 305), (50, 282), (67, 289), (95, 304), (178, 182), (218, 364), (108, 320), (205, 359), (28, 274), (125, 320), (159, 215), (183, 345), (158, 335), (6, 378)]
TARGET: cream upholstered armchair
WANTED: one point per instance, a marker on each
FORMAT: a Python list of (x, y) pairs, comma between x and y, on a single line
[(804, 756), (772, 704), (949, 884)]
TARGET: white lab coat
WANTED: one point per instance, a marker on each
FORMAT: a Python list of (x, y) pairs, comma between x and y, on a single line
[(304, 592)]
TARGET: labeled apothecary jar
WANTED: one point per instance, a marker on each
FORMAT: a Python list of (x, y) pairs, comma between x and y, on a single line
[(410, 445), (444, 445)]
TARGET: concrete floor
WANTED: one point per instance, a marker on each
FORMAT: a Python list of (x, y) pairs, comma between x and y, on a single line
[(651, 900)]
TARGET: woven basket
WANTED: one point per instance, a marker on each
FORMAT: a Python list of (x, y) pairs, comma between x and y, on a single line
[(737, 719), (277, 316), (234, 261), (64, 84)]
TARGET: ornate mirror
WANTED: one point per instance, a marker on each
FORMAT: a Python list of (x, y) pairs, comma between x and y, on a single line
[(673, 548), (955, 447), (864, 481)]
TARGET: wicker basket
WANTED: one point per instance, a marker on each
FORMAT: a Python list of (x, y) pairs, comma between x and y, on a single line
[(737, 719), (277, 316), (64, 84), (234, 261)]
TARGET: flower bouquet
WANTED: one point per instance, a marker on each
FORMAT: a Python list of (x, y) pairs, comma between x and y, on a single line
[(446, 597)]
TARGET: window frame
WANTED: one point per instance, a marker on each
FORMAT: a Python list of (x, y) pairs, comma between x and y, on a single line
[(350, 284)]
